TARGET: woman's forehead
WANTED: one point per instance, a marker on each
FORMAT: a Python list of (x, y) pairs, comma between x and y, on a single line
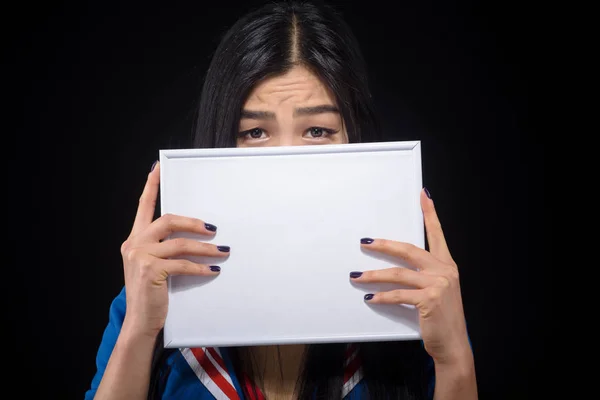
[(297, 86)]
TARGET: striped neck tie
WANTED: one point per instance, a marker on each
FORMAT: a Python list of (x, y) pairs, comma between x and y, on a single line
[(208, 365)]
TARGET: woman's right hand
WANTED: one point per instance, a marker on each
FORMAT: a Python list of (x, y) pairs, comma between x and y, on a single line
[(148, 259)]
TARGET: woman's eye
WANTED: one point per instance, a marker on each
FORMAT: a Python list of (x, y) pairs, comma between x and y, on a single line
[(316, 132), (255, 133)]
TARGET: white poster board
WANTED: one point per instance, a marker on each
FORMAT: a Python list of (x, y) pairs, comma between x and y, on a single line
[(293, 217)]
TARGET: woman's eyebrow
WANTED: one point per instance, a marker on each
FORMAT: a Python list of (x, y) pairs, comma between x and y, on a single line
[(298, 112), (325, 108), (250, 114)]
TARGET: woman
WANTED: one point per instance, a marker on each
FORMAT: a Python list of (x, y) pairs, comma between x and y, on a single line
[(286, 74)]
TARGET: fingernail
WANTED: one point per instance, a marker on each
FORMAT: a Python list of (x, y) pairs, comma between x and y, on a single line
[(366, 240), (215, 268), (355, 274), (153, 165), (427, 192), (224, 249), (369, 296), (210, 227)]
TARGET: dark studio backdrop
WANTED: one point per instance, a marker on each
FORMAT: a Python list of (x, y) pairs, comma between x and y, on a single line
[(106, 85)]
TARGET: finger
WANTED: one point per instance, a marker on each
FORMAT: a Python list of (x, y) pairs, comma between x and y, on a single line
[(433, 229), (186, 247), (415, 256), (401, 276), (399, 296), (186, 267), (147, 201), (167, 224)]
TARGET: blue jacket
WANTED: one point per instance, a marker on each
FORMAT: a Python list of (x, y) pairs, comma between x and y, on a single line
[(205, 373)]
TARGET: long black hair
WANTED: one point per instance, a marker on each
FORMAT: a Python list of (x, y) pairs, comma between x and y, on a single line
[(268, 42), (265, 43)]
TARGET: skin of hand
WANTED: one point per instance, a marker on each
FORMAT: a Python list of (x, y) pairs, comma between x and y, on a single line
[(149, 257), (433, 288)]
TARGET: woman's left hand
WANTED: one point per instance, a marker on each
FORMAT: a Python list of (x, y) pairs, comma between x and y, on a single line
[(434, 288)]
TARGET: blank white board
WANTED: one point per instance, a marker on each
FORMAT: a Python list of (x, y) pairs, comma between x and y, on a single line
[(293, 217)]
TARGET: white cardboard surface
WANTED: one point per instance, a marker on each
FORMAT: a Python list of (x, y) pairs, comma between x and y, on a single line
[(294, 217)]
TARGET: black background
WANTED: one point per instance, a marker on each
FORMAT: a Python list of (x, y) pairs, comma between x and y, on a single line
[(100, 87)]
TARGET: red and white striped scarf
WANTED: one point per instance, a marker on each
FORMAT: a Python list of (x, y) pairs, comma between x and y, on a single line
[(208, 365)]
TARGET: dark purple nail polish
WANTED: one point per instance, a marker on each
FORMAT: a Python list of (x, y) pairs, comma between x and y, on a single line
[(355, 274), (366, 240), (153, 165), (368, 296), (210, 227), (224, 249), (215, 268), (427, 192)]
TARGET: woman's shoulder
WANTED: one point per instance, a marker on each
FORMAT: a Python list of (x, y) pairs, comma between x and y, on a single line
[(118, 304), (116, 315)]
